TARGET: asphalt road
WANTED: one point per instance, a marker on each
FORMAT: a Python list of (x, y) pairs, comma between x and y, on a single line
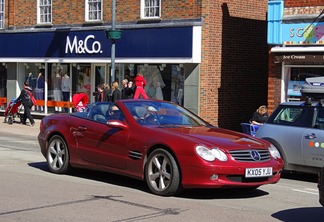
[(29, 192)]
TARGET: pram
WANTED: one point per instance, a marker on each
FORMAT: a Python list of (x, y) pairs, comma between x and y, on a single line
[(80, 101), (12, 111)]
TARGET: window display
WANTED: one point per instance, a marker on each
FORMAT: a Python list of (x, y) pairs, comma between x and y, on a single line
[(296, 78), (84, 79)]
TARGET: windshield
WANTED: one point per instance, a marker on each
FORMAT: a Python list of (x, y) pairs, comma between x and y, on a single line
[(162, 114)]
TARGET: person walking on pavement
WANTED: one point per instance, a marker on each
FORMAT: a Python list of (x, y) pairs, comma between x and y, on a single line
[(116, 93), (140, 83), (26, 101)]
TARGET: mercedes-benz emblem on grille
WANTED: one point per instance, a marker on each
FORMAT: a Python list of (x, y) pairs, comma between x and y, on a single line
[(255, 155)]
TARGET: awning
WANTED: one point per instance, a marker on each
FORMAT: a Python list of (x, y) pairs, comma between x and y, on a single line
[(299, 54), (298, 49)]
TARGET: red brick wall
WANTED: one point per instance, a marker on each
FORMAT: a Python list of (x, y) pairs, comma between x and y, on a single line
[(274, 84), (234, 67), (24, 13), (303, 3)]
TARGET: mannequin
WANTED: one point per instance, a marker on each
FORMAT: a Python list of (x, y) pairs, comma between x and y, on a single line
[(40, 84), (57, 90), (31, 79), (66, 88), (158, 93)]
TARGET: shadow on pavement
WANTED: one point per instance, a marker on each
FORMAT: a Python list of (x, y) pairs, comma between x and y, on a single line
[(230, 193), (306, 177), (313, 214), (141, 185), (39, 165)]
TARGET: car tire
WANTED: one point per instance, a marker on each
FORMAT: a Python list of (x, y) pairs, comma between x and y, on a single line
[(58, 158), (162, 173)]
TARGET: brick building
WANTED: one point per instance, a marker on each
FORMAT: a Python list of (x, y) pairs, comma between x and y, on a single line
[(296, 39), (210, 56)]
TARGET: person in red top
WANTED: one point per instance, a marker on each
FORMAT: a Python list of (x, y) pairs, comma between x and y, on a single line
[(140, 83)]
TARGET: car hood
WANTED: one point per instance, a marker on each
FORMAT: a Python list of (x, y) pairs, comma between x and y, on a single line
[(216, 137)]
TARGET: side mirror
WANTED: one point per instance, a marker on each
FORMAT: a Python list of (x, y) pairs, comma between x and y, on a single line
[(117, 123)]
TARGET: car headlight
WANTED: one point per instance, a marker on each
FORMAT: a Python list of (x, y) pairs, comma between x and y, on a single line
[(274, 152), (210, 154)]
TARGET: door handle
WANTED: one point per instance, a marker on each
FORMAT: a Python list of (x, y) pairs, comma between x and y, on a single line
[(82, 128), (310, 136)]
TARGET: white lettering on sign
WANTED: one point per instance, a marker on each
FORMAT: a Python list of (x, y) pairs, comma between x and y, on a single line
[(294, 57), (299, 32), (88, 45), (298, 57)]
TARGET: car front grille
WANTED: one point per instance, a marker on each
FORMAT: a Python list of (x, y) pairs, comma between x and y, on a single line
[(246, 155)]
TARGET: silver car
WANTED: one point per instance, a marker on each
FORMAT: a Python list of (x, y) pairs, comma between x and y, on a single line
[(297, 130)]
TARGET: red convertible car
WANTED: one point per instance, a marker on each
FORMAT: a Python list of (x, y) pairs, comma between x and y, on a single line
[(160, 142)]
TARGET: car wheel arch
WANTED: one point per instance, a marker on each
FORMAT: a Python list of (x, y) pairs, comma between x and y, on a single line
[(66, 165), (278, 146), (170, 152), (55, 133), (164, 147)]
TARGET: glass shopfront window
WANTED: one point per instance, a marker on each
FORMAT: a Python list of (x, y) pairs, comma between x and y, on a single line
[(54, 84), (58, 87), (82, 76), (296, 77), (34, 75)]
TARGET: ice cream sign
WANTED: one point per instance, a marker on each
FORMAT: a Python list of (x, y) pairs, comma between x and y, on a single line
[(303, 33)]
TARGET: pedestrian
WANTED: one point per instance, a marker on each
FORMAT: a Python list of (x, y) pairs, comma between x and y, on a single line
[(107, 97), (130, 90), (116, 93), (140, 83), (127, 91), (260, 116), (124, 89), (26, 101), (100, 95)]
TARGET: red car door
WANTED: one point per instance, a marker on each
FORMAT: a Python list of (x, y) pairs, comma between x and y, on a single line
[(101, 144)]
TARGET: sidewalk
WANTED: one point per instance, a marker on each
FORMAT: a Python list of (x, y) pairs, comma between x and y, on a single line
[(19, 129)]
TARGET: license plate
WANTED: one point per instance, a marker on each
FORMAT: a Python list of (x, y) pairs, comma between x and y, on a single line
[(258, 172)]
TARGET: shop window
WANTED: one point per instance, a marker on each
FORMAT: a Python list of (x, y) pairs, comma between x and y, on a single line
[(297, 77), (93, 11), (164, 81), (44, 11), (82, 83), (150, 9), (1, 14), (58, 87)]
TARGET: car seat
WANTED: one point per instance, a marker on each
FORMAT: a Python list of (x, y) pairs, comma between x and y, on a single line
[(140, 111)]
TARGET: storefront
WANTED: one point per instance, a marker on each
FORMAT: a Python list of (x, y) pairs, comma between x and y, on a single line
[(60, 63), (298, 47), (296, 68)]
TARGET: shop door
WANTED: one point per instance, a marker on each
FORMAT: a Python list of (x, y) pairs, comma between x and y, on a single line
[(100, 76)]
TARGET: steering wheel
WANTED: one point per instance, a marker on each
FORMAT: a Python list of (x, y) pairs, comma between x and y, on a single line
[(151, 119)]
